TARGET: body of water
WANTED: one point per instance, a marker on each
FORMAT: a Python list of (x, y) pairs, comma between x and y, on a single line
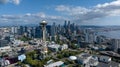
[(111, 34)]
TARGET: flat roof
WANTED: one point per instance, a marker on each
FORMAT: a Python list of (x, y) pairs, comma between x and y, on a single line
[(54, 46), (83, 55), (112, 64), (110, 53)]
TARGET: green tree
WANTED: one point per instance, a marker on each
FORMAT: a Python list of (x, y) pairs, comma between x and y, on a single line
[(19, 63), (24, 65), (66, 54), (39, 64), (59, 56), (73, 46)]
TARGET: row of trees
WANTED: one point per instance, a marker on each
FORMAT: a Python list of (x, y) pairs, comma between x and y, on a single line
[(67, 53)]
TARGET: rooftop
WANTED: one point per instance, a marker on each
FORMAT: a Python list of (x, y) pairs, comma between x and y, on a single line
[(84, 55), (110, 53), (54, 46), (111, 64), (58, 63)]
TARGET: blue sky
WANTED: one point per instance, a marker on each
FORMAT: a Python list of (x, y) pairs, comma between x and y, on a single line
[(35, 6), (83, 12)]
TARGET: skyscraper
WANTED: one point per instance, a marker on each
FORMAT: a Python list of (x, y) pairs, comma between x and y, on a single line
[(68, 25), (53, 31), (115, 44), (89, 35), (38, 32), (14, 30), (65, 24), (20, 30)]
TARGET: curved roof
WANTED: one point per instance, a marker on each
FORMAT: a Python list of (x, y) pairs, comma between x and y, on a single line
[(72, 57)]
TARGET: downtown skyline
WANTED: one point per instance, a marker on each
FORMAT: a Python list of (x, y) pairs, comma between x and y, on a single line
[(82, 12)]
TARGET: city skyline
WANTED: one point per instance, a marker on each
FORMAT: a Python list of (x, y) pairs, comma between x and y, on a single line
[(59, 33), (82, 12)]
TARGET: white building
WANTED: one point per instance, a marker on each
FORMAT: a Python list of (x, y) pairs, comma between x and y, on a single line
[(64, 46), (14, 30), (84, 58), (55, 64), (5, 49), (22, 57), (54, 47), (87, 60), (105, 59), (18, 42), (72, 58)]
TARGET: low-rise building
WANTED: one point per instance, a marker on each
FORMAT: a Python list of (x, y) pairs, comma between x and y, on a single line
[(17, 42), (83, 58), (54, 47), (72, 58), (55, 64), (110, 64), (87, 60), (64, 46), (105, 59), (5, 49), (4, 62), (21, 57)]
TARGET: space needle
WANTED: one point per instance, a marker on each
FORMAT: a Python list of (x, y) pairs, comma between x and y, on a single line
[(43, 25)]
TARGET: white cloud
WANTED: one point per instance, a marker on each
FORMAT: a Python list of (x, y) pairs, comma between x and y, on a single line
[(111, 9), (30, 18), (114, 3), (40, 14), (71, 10), (74, 13), (17, 2), (62, 8), (82, 14), (28, 14)]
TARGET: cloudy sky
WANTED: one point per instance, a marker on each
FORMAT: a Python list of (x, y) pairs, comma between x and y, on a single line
[(82, 12)]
